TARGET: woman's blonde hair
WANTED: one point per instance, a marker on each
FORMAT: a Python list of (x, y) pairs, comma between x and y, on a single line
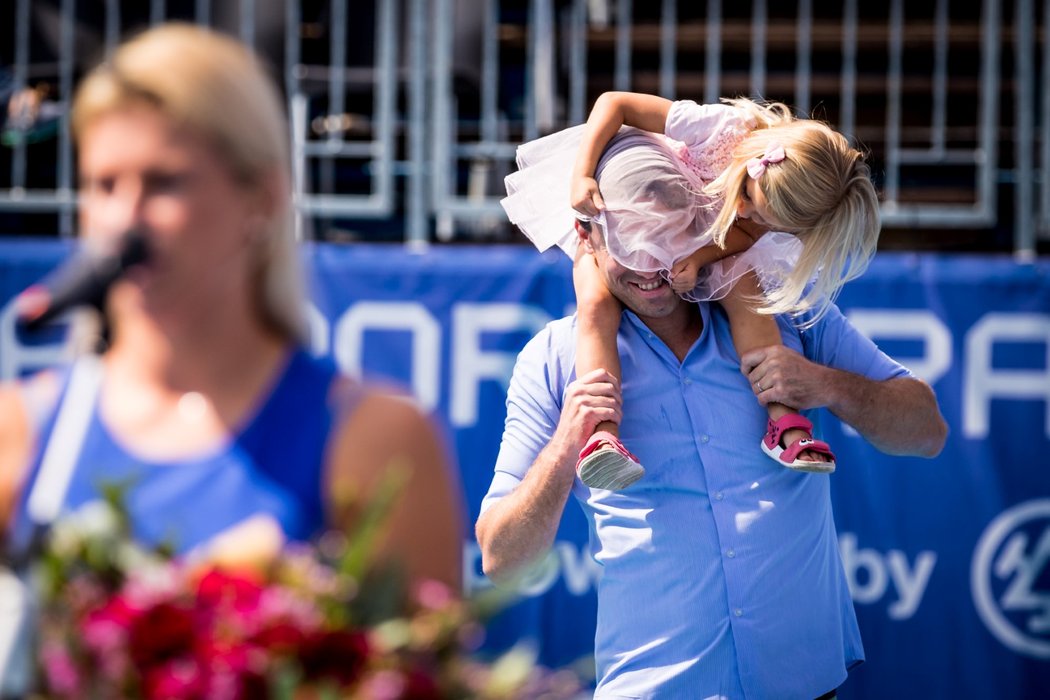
[(821, 191), (215, 87)]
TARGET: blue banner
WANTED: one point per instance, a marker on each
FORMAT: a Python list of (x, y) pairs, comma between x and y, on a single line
[(948, 559)]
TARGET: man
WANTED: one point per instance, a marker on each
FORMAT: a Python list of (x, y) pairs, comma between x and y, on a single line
[(721, 573)]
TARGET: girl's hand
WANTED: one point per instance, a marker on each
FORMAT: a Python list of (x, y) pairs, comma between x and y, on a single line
[(683, 275), (585, 197)]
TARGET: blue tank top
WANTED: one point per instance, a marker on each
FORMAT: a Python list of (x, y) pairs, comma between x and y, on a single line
[(273, 465)]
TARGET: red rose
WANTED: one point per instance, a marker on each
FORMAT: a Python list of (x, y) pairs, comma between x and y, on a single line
[(338, 654), (280, 636), (420, 685), (220, 588), (161, 633), (176, 680)]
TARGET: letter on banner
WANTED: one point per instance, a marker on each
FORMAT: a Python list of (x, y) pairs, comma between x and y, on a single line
[(868, 560), (317, 330), (919, 324), (983, 382), (391, 316), (471, 364)]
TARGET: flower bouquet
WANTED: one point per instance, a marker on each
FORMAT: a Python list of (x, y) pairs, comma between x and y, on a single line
[(119, 620)]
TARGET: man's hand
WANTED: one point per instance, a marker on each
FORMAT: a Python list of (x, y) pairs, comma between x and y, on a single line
[(585, 197), (592, 399), (899, 416), (518, 529), (780, 375)]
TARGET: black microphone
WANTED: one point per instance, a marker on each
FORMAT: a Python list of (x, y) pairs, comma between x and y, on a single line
[(83, 280)]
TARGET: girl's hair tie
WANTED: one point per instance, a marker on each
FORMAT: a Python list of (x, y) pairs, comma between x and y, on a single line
[(757, 166)]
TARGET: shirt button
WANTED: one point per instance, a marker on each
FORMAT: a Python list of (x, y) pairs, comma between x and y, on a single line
[(738, 612), (719, 496), (705, 439), (731, 553), (687, 381)]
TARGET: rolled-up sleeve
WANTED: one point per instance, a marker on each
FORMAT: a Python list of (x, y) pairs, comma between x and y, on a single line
[(533, 410), (834, 342)]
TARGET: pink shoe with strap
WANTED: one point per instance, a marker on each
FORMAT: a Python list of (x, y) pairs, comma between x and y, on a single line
[(606, 464), (788, 456)]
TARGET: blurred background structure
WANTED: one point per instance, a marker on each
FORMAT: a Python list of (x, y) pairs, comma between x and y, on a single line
[(406, 113)]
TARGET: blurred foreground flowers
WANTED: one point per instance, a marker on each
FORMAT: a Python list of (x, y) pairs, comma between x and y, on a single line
[(118, 620)]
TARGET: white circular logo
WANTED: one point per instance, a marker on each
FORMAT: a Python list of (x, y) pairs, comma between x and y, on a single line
[(1010, 578)]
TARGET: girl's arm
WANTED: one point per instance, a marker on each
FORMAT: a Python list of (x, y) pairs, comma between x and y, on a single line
[(611, 111)]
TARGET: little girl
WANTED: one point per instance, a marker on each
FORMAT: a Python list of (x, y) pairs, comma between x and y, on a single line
[(750, 169)]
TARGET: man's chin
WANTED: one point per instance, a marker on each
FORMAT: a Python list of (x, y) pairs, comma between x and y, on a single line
[(656, 308)]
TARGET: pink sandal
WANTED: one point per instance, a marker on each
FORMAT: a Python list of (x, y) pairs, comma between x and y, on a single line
[(788, 456), (606, 464)]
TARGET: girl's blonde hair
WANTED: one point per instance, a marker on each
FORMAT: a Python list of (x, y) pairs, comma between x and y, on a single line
[(215, 87), (821, 191)]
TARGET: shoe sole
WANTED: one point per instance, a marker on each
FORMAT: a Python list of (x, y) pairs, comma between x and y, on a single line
[(816, 468), (608, 469)]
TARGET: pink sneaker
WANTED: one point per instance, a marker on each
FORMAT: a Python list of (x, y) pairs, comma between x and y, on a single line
[(606, 464)]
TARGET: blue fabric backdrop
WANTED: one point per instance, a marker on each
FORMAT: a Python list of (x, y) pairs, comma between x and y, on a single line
[(948, 559)]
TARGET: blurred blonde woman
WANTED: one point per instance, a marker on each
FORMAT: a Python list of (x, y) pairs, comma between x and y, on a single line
[(233, 437)]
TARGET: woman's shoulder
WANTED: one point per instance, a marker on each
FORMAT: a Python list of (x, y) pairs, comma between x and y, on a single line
[(377, 409)]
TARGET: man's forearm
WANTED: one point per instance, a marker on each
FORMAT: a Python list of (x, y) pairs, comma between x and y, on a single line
[(520, 528), (898, 416)]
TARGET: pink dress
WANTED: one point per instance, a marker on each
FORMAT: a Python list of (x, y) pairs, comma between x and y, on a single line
[(697, 146)]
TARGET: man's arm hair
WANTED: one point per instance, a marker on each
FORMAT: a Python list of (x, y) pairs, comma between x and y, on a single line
[(898, 416), (518, 529)]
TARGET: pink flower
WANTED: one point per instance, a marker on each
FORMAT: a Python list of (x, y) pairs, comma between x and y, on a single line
[(384, 685), (278, 604), (433, 595), (60, 670)]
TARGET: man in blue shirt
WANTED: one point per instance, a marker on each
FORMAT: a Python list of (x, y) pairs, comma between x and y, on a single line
[(721, 572)]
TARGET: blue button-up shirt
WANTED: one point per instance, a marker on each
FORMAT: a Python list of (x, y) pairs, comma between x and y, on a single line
[(721, 575)]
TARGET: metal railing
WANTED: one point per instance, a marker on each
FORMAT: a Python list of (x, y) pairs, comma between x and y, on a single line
[(408, 112)]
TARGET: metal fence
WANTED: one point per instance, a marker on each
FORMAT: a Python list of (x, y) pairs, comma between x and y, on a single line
[(406, 113)]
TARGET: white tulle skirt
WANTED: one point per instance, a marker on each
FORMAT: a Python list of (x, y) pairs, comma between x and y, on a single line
[(640, 234)]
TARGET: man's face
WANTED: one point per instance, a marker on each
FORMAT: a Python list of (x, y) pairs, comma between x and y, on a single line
[(645, 293)]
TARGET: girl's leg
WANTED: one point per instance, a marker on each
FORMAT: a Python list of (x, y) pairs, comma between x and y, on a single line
[(598, 320), (752, 330), (604, 462)]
